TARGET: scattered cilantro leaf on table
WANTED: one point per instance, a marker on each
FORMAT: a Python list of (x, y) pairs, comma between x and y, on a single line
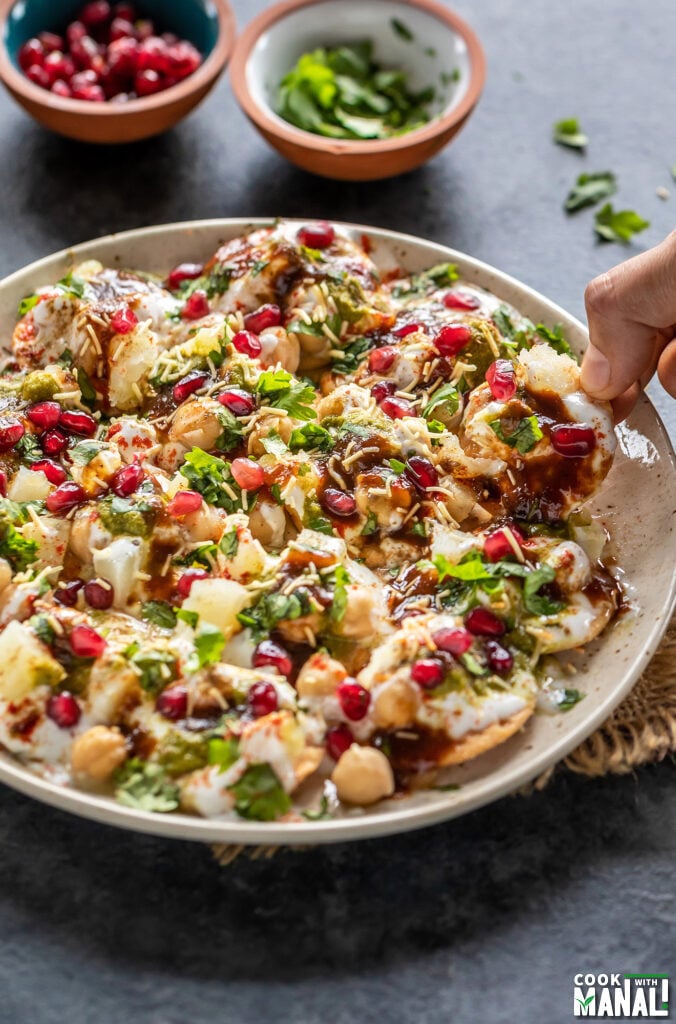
[(568, 133), (618, 225), (590, 189)]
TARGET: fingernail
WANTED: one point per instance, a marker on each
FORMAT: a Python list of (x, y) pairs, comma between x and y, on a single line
[(595, 370)]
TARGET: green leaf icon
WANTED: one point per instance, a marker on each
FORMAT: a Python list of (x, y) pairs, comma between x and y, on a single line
[(585, 1002)]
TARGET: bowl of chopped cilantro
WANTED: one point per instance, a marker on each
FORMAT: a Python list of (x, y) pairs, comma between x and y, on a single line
[(358, 89)]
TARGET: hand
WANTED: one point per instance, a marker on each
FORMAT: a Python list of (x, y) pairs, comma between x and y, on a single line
[(632, 328)]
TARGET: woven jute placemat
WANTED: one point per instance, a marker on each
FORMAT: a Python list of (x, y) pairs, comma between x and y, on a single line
[(640, 731)]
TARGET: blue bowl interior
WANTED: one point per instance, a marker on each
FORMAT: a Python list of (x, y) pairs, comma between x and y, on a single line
[(196, 20)]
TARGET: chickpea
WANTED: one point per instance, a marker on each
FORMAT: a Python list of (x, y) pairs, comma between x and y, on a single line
[(295, 630), (395, 704), (87, 534), (280, 347), (389, 509), (5, 573), (363, 775), (319, 676), (332, 404), (204, 524), (196, 424), (281, 424), (267, 524), (357, 622), (98, 752)]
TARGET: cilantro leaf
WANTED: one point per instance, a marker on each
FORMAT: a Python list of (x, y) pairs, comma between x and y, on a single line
[(321, 813), (371, 525), (259, 795), (523, 438), (470, 569), (396, 466), (310, 436), (72, 285), (27, 304), (160, 613), (145, 786), (155, 669), (569, 698), (223, 751), (535, 602), (211, 477), (282, 390), (229, 543), (271, 609), (14, 547), (351, 356), (618, 225), (448, 396), (209, 644), (232, 432), (555, 339), (568, 133), (89, 395), (28, 448), (340, 579), (274, 445), (439, 276), (402, 30), (83, 452), (590, 189)]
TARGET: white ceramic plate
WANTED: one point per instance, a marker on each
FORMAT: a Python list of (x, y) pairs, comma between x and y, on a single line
[(637, 505)]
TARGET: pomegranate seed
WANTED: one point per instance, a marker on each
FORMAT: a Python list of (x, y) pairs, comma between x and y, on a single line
[(183, 272), (247, 474), (573, 440), (123, 320), (52, 470), (120, 28), (126, 479), (99, 596), (268, 315), (354, 700), (51, 41), (196, 305), (63, 709), (183, 59), (96, 13), (453, 641), (3, 483), (31, 54), (262, 699), (269, 653), (396, 408), (123, 57), (83, 79), (153, 55), (85, 642), (247, 343), (85, 53), (38, 76), (427, 673), (11, 431), (144, 29), (76, 30), (240, 403), (481, 622), (381, 359), (66, 594), (58, 67), (451, 339), (189, 384), (406, 329), (183, 503), (62, 89), (501, 379), (421, 473), (172, 703), (147, 83), (53, 442), (499, 658), (497, 544), (44, 415), (90, 93), (460, 300), (77, 422), (338, 503), (338, 740), (190, 576), (316, 236), (383, 389), (67, 496), (126, 11)]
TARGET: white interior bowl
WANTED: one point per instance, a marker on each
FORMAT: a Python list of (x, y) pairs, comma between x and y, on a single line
[(637, 505)]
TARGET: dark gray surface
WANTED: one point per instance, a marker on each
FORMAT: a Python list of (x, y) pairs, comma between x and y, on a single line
[(481, 921)]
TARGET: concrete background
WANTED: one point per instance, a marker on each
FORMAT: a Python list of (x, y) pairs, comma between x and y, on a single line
[(483, 920)]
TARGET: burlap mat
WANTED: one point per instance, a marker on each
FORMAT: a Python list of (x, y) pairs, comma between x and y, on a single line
[(640, 731)]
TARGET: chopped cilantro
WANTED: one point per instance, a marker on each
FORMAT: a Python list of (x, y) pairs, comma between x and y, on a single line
[(272, 609), (555, 339), (568, 133), (618, 225), (419, 529), (27, 304), (223, 751), (155, 668), (205, 556), (72, 285), (590, 189), (127, 516), (211, 477), (439, 276), (310, 436), (190, 618), (83, 452), (232, 433), (569, 698), (14, 547), (535, 602), (282, 390), (274, 445), (28, 448), (258, 266), (43, 630), (523, 438), (209, 644), (402, 30), (370, 526), (321, 813), (396, 466), (351, 356), (145, 786), (340, 579), (160, 613), (89, 395), (448, 396), (229, 543), (259, 795)]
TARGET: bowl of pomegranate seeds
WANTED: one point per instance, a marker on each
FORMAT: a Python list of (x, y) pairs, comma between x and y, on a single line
[(358, 90), (113, 72)]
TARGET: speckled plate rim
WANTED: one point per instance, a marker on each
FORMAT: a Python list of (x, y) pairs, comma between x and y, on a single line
[(403, 814)]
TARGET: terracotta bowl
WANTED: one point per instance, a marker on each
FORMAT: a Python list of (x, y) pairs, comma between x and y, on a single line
[(443, 52), (209, 24)]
